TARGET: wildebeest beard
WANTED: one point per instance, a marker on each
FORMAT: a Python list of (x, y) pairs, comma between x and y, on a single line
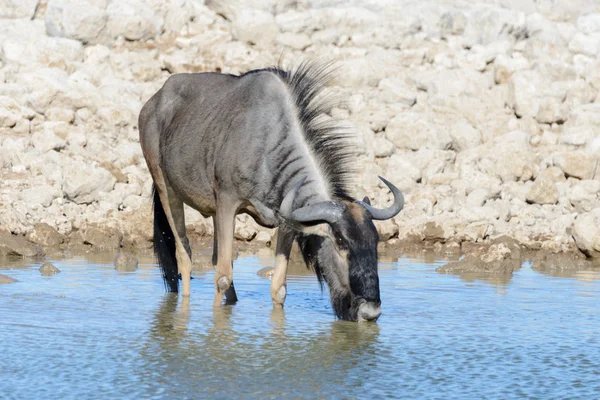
[(348, 287)]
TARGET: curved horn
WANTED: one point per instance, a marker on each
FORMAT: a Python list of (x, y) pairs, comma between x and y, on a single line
[(392, 210), (329, 211)]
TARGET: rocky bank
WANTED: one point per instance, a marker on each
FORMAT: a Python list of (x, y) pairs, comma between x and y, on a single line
[(485, 113)]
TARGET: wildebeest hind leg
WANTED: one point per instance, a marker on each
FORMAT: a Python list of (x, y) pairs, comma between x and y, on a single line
[(230, 295), (224, 227), (173, 207), (285, 240), (183, 252)]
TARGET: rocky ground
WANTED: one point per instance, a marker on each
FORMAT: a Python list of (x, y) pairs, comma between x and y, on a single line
[(485, 113)]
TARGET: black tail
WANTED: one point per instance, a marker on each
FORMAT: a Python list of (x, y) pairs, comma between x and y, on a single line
[(164, 245)]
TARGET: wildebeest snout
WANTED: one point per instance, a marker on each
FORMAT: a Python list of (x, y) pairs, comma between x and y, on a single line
[(368, 311)]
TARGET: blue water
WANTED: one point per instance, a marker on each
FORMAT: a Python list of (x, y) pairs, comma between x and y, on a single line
[(91, 332)]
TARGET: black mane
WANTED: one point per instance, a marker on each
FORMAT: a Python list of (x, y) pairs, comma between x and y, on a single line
[(328, 139)]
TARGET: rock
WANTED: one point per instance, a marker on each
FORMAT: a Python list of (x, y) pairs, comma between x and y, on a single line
[(18, 9), (263, 237), (589, 24), (383, 147), (413, 130), (577, 164), (266, 272), (132, 19), (586, 233), (82, 182), (584, 195), (386, 229), (6, 279), (76, 19), (45, 235), (126, 262), (478, 197), (585, 44), (543, 191), (297, 41), (48, 269), (254, 26), (102, 237), (395, 90), (17, 246)]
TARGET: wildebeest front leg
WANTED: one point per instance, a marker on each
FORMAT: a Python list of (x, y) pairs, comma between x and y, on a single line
[(285, 240), (230, 295), (224, 227)]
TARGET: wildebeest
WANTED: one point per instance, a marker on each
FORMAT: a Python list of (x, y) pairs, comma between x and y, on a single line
[(261, 143)]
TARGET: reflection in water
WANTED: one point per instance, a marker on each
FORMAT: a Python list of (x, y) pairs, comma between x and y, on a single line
[(91, 330), (223, 356)]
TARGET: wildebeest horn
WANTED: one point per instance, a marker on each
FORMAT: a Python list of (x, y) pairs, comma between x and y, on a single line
[(328, 211), (392, 210)]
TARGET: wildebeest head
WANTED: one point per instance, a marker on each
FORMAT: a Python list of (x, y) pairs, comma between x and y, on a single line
[(342, 248)]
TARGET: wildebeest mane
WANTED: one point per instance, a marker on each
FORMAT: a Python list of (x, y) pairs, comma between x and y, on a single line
[(329, 140)]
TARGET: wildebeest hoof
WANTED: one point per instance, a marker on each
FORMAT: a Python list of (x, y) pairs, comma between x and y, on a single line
[(223, 284), (279, 297)]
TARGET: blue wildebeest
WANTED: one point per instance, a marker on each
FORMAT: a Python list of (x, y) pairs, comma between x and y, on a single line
[(261, 144)]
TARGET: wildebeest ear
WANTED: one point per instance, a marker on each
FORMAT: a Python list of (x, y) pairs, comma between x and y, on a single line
[(366, 200)]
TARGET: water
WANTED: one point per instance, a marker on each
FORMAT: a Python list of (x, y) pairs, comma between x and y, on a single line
[(92, 332)]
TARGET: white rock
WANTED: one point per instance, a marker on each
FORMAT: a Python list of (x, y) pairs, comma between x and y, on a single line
[(297, 41), (76, 19), (586, 232), (577, 164), (585, 44), (10, 112), (83, 182), (45, 140), (18, 8), (397, 91), (589, 23), (412, 130), (254, 26), (133, 19), (383, 147)]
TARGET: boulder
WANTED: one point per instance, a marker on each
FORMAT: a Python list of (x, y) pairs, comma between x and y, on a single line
[(48, 269), (586, 233), (83, 182), (254, 26), (18, 8), (76, 19), (17, 246), (126, 262), (45, 235)]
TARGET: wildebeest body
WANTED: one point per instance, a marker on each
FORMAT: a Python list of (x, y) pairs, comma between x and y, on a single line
[(224, 152), (261, 143)]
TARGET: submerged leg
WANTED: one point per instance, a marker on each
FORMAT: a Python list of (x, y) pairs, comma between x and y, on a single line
[(230, 295), (224, 226), (285, 240)]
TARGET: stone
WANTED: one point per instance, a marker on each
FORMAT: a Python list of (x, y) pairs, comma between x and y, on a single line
[(266, 272), (589, 23), (586, 233), (4, 279), (132, 19), (47, 269), (45, 235), (297, 41), (413, 130), (82, 182), (577, 164), (543, 191), (263, 237), (386, 229), (102, 237), (76, 19), (18, 8), (585, 44), (394, 90), (126, 262), (254, 26), (478, 197), (17, 246)]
